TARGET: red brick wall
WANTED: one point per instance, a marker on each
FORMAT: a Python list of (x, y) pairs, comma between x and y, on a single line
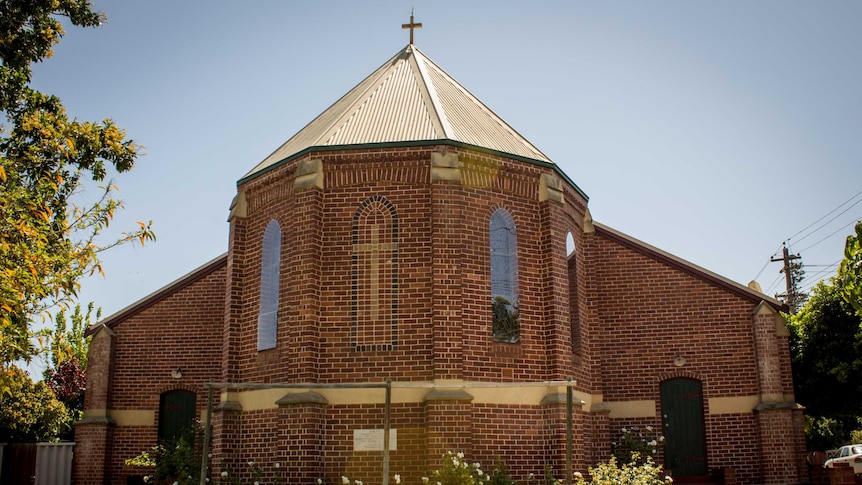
[(181, 331), (729, 441), (634, 314), (443, 251), (648, 313), (92, 453)]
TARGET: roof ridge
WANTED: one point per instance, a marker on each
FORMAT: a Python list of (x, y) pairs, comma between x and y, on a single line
[(441, 118), (406, 99), (380, 71), (494, 116)]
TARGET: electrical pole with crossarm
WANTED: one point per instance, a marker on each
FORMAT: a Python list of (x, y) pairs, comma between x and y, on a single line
[(793, 275)]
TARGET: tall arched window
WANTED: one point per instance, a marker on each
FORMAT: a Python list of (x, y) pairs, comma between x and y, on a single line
[(574, 319), (375, 275), (504, 277), (267, 320)]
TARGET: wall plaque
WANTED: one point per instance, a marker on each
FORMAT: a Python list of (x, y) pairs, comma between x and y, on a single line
[(372, 439)]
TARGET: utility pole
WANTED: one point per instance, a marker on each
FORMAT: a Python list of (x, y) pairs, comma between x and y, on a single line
[(790, 296)]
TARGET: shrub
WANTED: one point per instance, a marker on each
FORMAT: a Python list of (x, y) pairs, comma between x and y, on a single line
[(457, 471), (645, 442), (637, 471), (29, 411), (175, 460)]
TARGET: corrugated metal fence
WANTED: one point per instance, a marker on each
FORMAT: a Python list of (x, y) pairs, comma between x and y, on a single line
[(39, 463), (54, 463)]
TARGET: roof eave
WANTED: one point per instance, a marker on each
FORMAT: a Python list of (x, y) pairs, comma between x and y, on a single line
[(413, 143), (114, 319), (689, 267)]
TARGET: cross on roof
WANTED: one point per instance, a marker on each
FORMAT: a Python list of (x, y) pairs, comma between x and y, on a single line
[(411, 26)]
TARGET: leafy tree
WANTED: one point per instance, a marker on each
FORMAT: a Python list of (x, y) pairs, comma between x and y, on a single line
[(826, 353), (67, 360), (796, 298), (30, 412), (71, 342), (49, 236), (850, 271)]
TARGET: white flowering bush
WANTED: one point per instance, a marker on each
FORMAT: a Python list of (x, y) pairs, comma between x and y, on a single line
[(458, 471), (637, 471), (643, 441), (227, 477)]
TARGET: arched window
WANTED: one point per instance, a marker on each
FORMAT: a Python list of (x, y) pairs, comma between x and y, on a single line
[(267, 320), (570, 244), (504, 277), (375, 275), (574, 320)]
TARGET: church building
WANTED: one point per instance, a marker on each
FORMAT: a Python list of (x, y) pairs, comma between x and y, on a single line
[(409, 235)]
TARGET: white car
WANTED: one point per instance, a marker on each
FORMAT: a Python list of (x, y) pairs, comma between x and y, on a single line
[(849, 454)]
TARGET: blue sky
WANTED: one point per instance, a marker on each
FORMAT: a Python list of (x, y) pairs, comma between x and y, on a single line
[(711, 130)]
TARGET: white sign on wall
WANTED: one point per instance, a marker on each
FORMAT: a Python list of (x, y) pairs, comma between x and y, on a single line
[(372, 439)]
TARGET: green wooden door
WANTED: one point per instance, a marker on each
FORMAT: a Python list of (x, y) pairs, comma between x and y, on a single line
[(682, 423), (176, 413)]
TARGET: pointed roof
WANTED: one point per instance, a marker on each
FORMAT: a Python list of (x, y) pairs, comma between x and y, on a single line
[(407, 99)]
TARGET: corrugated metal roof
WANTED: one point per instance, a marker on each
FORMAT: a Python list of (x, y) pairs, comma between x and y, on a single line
[(409, 98)]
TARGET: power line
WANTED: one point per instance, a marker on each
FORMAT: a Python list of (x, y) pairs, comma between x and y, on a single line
[(769, 288), (842, 228), (825, 216), (809, 226), (815, 277), (766, 264)]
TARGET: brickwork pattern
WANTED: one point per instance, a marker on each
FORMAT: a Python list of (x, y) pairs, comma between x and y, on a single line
[(667, 313), (729, 439), (633, 314), (300, 441), (180, 332), (652, 313), (554, 441), (768, 356), (92, 445), (775, 426)]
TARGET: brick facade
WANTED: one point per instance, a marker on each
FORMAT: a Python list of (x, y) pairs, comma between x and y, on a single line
[(616, 316)]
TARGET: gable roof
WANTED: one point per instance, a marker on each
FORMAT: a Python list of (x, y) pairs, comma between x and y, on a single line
[(407, 99), (688, 267), (199, 273)]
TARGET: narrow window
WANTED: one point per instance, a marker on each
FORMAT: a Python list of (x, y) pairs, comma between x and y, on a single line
[(375, 276), (504, 277), (267, 320), (574, 321)]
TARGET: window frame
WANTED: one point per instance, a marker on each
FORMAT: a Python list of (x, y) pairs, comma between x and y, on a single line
[(503, 270), (270, 287)]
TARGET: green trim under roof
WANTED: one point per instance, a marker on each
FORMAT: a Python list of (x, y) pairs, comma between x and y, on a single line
[(414, 143)]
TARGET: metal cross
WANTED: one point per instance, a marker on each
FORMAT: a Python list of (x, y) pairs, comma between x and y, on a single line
[(411, 26)]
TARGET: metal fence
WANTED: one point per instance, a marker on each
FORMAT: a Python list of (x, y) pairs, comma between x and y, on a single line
[(39, 463), (54, 463), (387, 386)]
